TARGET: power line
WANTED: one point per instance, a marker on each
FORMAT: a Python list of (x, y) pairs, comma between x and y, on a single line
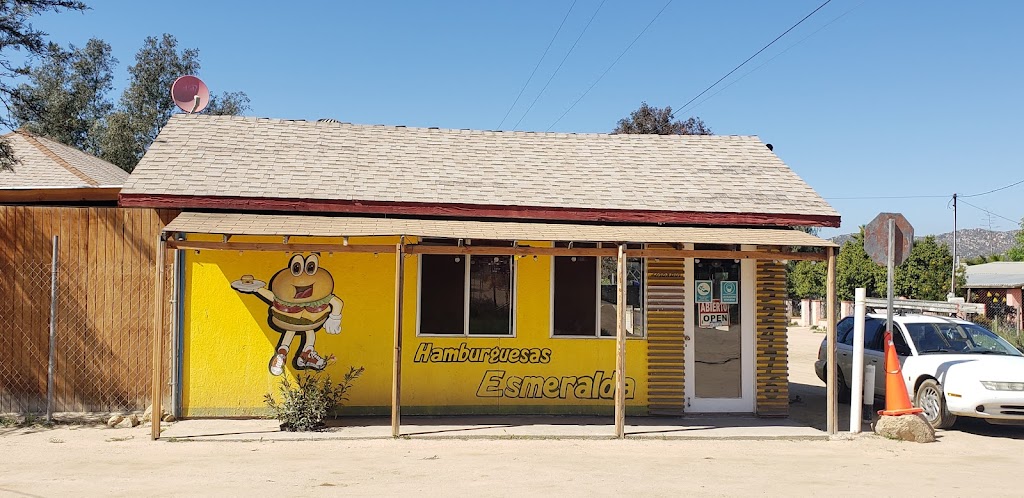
[(944, 196), (1015, 222), (765, 63), (528, 80), (993, 190), (791, 28), (559, 65), (609, 68), (881, 197)]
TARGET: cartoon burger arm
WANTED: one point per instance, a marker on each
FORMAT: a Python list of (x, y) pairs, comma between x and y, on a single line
[(265, 294), (333, 323)]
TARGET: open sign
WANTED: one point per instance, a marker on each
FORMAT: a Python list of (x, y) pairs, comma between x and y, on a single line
[(712, 315), (714, 320)]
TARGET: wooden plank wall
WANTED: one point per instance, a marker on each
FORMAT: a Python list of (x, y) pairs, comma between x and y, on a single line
[(666, 279), (104, 310), (772, 349)]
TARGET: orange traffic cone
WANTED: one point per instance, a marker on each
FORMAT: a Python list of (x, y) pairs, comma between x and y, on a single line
[(897, 402)]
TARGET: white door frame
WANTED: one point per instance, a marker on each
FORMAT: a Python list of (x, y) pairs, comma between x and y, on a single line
[(745, 403)]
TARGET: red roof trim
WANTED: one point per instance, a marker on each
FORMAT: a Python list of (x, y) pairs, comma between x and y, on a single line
[(475, 211)]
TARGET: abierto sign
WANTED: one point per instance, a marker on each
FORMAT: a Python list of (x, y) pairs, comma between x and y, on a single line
[(712, 315)]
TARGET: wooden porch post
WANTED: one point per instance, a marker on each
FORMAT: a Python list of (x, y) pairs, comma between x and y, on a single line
[(158, 337), (831, 394), (620, 346), (396, 375)]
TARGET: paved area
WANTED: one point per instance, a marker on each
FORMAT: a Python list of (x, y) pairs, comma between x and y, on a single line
[(705, 427)]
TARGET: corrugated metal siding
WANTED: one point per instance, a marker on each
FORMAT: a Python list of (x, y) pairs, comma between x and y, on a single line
[(666, 279), (772, 349)]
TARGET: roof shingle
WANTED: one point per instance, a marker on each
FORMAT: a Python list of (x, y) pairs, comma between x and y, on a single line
[(44, 163), (224, 156)]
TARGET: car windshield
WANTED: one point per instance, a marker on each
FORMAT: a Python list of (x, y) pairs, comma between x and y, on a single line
[(965, 338)]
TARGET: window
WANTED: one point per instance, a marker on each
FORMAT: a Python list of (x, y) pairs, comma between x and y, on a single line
[(575, 296), (584, 301), (873, 332), (465, 295), (899, 342), (874, 335), (844, 331)]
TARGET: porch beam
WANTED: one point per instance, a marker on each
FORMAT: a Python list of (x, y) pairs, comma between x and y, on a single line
[(831, 391), (278, 247), (158, 337), (494, 251), (612, 252), (396, 374), (620, 346)]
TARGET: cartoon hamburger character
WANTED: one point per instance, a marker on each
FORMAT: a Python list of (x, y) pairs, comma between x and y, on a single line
[(301, 298)]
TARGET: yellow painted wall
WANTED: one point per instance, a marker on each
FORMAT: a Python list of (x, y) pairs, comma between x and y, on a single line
[(228, 344)]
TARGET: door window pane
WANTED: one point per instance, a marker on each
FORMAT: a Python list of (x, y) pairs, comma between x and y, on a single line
[(717, 334)]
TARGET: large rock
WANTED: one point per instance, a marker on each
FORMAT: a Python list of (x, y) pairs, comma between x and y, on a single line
[(905, 428), (148, 414), (128, 422), (114, 420)]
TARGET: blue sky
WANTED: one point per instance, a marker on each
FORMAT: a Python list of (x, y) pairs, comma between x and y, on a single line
[(891, 99)]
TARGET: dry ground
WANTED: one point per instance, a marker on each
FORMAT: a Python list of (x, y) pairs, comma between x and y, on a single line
[(973, 459)]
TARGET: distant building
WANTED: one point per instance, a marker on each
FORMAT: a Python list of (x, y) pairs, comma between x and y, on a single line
[(998, 286)]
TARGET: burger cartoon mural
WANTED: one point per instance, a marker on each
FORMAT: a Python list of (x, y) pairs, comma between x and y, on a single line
[(301, 298)]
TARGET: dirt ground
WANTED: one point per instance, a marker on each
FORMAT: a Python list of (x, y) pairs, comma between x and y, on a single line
[(971, 459)]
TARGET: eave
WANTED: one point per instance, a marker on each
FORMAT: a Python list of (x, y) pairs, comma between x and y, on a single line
[(474, 211)]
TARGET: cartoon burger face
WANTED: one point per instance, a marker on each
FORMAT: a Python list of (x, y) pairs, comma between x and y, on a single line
[(302, 294)]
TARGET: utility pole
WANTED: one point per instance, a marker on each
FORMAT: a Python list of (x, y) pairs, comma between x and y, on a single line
[(952, 278)]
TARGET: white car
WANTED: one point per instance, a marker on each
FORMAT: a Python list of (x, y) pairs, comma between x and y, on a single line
[(951, 367)]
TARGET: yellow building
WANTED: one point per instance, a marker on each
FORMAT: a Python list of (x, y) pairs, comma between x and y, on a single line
[(477, 272)]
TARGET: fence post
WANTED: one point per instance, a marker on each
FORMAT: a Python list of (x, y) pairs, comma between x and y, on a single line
[(53, 332)]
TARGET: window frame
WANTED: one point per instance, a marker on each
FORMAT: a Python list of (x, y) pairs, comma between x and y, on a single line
[(597, 303), (513, 298)]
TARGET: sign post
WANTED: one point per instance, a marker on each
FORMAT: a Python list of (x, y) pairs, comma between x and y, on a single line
[(899, 238)]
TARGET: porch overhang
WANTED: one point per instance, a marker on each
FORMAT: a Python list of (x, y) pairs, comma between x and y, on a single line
[(772, 243)]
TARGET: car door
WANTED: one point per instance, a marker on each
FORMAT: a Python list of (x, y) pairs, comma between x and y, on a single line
[(874, 351), (844, 348)]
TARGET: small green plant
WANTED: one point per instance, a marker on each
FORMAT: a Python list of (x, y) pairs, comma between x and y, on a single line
[(305, 404)]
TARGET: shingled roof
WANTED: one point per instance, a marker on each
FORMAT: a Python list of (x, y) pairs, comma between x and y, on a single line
[(46, 164), (246, 163)]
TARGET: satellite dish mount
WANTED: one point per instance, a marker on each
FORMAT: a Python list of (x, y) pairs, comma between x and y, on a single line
[(190, 94)]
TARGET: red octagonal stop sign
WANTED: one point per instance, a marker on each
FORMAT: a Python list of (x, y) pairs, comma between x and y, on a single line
[(876, 238)]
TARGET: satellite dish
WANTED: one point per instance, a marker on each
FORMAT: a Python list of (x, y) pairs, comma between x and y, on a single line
[(190, 94)]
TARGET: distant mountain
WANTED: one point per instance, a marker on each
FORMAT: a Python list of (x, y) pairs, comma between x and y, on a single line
[(970, 242)]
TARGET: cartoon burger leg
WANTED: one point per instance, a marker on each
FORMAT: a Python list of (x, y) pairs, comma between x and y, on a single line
[(308, 358), (280, 357)]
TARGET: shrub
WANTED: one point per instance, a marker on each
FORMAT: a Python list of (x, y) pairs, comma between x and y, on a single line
[(306, 404)]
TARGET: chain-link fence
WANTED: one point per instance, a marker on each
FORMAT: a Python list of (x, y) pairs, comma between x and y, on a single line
[(1002, 313), (102, 331)]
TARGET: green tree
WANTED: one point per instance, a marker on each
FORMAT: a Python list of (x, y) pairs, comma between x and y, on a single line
[(65, 98), (1016, 253), (926, 272), (18, 35), (854, 269), (146, 105), (806, 279), (659, 121)]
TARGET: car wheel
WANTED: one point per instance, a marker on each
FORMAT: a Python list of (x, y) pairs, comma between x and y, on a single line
[(845, 393), (930, 398)]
